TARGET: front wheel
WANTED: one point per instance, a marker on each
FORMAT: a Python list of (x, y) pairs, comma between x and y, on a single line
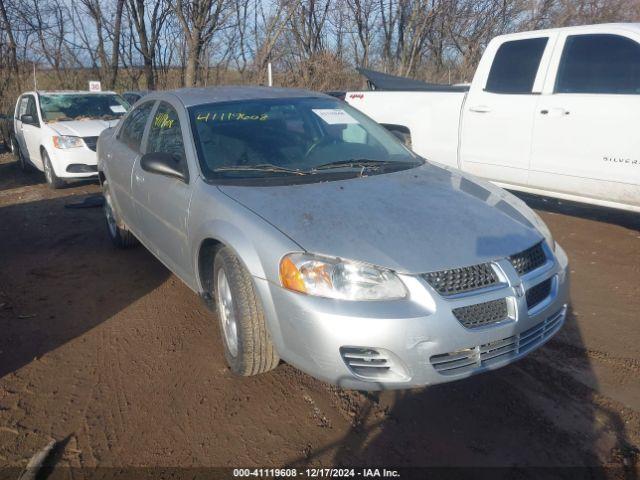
[(49, 174), (247, 344)]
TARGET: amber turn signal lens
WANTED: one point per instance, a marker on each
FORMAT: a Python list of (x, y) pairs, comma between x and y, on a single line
[(291, 277)]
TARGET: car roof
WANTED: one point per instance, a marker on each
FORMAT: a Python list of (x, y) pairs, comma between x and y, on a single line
[(67, 92), (578, 29), (199, 96)]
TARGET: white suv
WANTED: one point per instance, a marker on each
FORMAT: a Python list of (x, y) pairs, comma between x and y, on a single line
[(57, 131)]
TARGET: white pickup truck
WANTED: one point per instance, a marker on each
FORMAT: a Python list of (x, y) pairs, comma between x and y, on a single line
[(553, 112)]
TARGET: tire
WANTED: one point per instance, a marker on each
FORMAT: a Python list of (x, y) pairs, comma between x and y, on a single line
[(252, 352), (117, 230), (49, 174), (17, 154)]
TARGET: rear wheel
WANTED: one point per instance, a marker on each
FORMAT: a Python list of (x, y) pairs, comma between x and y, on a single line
[(118, 232), (247, 344), (17, 154), (49, 174)]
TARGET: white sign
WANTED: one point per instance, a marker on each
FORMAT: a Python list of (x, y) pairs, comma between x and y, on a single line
[(334, 116), (117, 109), (95, 87)]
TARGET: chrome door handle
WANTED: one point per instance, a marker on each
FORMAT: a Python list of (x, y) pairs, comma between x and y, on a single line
[(480, 109)]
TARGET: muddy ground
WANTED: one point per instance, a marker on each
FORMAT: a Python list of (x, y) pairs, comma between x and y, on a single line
[(108, 353)]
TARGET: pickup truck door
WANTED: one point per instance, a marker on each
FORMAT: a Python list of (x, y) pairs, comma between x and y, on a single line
[(585, 140), (120, 157), (28, 135), (162, 202), (497, 117)]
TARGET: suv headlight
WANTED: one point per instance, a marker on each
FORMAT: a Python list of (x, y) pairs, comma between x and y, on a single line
[(340, 279), (66, 141)]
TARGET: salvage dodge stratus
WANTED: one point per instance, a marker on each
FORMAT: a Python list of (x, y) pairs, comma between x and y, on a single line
[(321, 240)]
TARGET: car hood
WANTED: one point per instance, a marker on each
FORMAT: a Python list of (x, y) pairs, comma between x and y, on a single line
[(418, 220), (82, 128)]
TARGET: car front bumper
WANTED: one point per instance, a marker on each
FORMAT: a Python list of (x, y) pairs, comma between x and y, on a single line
[(79, 162), (417, 341)]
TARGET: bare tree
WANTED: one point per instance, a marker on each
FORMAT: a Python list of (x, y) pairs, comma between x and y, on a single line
[(200, 20), (148, 37)]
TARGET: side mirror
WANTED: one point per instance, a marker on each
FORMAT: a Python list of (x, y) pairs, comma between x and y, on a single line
[(163, 163), (28, 119)]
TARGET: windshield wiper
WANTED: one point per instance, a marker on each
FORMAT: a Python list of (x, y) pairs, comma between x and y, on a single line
[(263, 167), (362, 163)]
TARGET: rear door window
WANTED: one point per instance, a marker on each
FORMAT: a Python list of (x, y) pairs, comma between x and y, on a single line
[(599, 63), (515, 66), (133, 127), (165, 134)]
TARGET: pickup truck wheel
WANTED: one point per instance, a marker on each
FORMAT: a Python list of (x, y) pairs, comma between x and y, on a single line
[(121, 237), (247, 345), (49, 174)]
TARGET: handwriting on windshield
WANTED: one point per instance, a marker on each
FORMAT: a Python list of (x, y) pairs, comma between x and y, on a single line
[(162, 120), (230, 116)]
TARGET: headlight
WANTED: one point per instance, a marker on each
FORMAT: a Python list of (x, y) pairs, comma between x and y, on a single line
[(341, 279), (66, 141)]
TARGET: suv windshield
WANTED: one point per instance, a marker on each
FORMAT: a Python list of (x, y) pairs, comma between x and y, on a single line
[(293, 137), (60, 107)]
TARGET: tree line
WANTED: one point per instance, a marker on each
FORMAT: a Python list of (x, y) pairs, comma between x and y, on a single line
[(150, 44)]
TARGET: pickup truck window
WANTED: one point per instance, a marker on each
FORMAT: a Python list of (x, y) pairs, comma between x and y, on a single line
[(515, 66), (165, 134), (133, 127), (599, 63)]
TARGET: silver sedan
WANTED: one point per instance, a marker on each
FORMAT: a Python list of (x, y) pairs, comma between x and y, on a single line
[(322, 241)]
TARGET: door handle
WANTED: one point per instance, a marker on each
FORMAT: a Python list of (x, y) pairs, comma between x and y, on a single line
[(480, 109)]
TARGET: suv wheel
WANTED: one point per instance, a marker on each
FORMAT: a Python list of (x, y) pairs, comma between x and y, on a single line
[(49, 174)]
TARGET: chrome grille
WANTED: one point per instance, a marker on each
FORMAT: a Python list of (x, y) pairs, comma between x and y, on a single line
[(459, 280), (493, 353), (91, 142), (529, 259), (538, 293), (482, 314)]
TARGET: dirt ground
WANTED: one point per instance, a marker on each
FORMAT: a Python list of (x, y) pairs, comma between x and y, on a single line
[(108, 353)]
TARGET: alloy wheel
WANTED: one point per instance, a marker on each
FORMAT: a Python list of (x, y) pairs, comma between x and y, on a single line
[(227, 313)]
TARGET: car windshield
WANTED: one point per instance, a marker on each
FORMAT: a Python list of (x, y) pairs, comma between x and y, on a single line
[(64, 107), (293, 137)]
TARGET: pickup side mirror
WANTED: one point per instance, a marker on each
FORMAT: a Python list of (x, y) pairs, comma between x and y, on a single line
[(28, 119), (163, 163)]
